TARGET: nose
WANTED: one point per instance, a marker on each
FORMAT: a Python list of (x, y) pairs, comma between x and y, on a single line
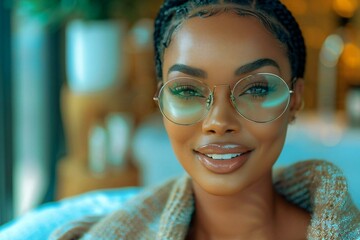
[(222, 117)]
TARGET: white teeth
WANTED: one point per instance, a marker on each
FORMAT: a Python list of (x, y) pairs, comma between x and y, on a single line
[(223, 156)]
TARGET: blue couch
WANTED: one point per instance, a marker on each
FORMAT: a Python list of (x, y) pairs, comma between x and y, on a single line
[(40, 222)]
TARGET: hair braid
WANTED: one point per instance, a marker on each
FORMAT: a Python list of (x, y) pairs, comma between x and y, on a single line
[(162, 20), (296, 44)]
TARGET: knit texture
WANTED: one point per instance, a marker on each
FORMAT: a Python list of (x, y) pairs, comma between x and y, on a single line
[(165, 212), (320, 188)]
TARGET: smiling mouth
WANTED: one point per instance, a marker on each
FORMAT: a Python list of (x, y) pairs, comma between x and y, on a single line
[(222, 162), (222, 158), (227, 156)]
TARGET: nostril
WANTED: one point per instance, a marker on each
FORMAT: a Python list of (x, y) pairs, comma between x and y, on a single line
[(211, 131), (230, 131)]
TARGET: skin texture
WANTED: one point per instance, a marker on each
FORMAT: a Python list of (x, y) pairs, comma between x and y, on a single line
[(218, 46)]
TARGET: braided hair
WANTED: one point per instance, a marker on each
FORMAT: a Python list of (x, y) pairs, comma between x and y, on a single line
[(272, 13)]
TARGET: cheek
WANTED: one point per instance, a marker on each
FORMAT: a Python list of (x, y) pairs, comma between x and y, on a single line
[(270, 139), (271, 132), (180, 137), (182, 140)]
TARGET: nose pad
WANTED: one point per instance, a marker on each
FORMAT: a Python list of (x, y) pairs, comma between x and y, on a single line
[(222, 117)]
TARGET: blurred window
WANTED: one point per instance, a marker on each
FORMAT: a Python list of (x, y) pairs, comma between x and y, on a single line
[(6, 187)]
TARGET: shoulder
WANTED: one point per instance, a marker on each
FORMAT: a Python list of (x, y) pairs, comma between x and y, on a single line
[(312, 174), (302, 181), (321, 188), (314, 166)]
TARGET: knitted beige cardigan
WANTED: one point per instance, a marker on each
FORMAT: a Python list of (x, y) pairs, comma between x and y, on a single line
[(165, 212)]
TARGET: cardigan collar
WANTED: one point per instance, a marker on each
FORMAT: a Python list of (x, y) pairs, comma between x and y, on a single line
[(316, 186)]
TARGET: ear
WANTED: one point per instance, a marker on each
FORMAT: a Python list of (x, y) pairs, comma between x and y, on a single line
[(296, 102)]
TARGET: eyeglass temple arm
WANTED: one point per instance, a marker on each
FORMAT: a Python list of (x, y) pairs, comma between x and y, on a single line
[(293, 81), (156, 96)]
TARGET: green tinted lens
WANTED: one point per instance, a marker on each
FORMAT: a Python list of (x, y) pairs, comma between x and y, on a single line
[(261, 97), (184, 100)]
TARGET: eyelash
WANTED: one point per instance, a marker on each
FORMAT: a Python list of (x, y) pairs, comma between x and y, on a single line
[(268, 89), (180, 90)]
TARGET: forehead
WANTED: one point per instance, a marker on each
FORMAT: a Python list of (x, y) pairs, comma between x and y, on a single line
[(227, 39)]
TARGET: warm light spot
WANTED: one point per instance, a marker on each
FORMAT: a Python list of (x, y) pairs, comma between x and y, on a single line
[(351, 56), (345, 8), (350, 62)]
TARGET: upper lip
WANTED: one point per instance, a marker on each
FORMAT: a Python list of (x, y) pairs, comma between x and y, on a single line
[(222, 148)]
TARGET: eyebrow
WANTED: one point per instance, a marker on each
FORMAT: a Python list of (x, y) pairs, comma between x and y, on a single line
[(256, 65), (195, 72), (249, 67)]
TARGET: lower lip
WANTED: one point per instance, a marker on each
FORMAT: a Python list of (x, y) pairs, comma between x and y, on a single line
[(223, 166)]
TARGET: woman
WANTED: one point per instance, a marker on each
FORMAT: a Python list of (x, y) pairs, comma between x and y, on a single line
[(231, 80)]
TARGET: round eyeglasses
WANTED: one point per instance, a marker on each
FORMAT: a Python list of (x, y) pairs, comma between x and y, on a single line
[(261, 98)]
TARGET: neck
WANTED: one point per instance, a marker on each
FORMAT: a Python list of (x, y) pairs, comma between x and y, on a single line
[(249, 214)]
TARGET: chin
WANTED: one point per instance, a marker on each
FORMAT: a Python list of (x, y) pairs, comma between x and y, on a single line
[(221, 185)]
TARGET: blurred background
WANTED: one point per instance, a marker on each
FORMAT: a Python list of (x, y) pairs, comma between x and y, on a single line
[(76, 85)]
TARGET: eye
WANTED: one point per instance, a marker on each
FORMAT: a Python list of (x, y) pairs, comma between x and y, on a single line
[(258, 90), (186, 91)]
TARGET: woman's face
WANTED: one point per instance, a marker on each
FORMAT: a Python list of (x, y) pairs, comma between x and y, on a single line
[(212, 49)]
